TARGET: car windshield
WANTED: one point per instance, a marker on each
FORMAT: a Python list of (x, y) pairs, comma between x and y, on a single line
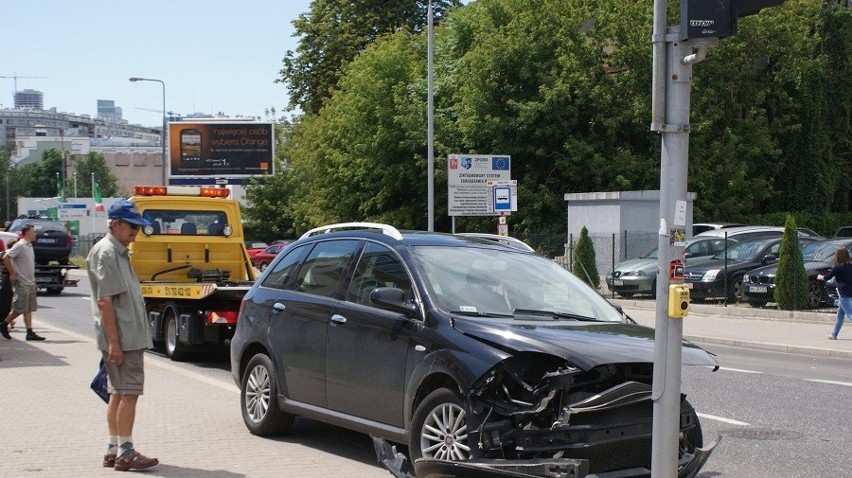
[(743, 251), (819, 251), (501, 283)]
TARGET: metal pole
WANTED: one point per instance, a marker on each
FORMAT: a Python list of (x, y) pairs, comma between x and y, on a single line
[(680, 56), (430, 120), (75, 184), (165, 159)]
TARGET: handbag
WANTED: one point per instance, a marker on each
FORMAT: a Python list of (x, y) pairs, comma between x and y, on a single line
[(99, 383)]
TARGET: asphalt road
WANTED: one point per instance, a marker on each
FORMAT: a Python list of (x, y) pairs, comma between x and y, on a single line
[(778, 414)]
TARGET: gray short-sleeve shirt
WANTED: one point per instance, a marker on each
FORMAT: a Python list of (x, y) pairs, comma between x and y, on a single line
[(110, 274)]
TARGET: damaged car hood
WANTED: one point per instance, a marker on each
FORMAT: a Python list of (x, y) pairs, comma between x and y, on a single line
[(584, 344)]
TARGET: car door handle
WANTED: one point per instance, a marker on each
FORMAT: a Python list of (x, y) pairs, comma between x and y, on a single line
[(278, 307), (338, 319)]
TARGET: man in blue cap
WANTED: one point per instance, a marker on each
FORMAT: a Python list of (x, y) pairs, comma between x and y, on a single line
[(121, 330)]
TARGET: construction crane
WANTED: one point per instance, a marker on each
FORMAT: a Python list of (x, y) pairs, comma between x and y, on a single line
[(14, 76), (170, 114)]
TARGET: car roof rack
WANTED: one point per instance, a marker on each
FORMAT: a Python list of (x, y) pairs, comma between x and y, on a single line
[(384, 228)]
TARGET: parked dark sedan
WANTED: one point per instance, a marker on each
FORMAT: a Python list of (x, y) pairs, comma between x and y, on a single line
[(723, 276), (759, 284), (458, 348), (53, 241)]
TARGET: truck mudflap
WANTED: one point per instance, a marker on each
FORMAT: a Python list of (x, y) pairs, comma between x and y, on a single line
[(397, 464)]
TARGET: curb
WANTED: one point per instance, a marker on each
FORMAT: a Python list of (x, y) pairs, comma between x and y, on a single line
[(793, 349)]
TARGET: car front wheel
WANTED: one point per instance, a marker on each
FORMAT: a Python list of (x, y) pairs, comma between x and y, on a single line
[(439, 428), (259, 399)]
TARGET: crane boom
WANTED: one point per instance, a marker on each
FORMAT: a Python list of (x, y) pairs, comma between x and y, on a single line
[(14, 76)]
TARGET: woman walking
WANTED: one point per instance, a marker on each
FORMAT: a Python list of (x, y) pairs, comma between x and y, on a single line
[(842, 274)]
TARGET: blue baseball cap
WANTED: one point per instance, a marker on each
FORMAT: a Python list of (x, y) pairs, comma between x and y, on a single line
[(125, 210)]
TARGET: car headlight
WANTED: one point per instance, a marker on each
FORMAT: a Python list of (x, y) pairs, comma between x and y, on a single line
[(634, 273), (710, 275), (746, 278)]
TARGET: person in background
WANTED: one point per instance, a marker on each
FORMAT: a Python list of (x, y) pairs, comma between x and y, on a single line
[(20, 262), (842, 274), (5, 284), (122, 332)]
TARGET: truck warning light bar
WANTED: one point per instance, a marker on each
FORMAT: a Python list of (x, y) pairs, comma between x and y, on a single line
[(181, 191)]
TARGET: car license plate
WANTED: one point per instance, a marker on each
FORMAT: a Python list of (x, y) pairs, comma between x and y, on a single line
[(47, 241), (617, 282), (758, 289)]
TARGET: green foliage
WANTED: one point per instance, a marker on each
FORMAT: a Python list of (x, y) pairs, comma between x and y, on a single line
[(791, 280), (264, 215), (584, 265), (106, 179), (334, 33), (362, 158), (563, 86)]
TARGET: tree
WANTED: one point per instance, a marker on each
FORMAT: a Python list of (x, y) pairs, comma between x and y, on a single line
[(334, 32), (791, 280), (363, 157), (584, 266), (95, 163)]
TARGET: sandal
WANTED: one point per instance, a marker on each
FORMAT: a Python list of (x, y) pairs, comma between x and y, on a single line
[(831, 337), (109, 460), (134, 461)]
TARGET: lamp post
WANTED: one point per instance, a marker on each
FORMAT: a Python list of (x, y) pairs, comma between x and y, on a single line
[(135, 79)]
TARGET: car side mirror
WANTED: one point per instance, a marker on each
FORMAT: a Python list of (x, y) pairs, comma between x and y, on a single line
[(392, 298), (770, 258)]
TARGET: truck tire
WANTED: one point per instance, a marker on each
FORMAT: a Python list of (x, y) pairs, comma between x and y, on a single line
[(54, 290), (171, 342)]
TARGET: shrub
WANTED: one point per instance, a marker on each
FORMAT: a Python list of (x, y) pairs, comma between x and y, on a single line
[(791, 281), (584, 260)]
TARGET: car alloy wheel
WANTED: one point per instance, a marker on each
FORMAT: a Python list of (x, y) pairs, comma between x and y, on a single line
[(259, 398), (440, 428)]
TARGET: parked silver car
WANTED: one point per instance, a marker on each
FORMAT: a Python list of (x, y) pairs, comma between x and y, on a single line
[(639, 276)]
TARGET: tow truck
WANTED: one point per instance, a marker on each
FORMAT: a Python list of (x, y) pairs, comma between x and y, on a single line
[(192, 265)]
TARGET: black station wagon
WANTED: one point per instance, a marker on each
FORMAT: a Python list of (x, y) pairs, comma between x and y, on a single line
[(463, 349)]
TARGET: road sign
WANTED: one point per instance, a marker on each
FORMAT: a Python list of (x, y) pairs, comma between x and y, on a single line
[(504, 196), (470, 194)]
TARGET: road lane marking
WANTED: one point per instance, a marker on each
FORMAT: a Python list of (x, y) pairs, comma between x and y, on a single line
[(832, 382), (739, 370), (724, 420)]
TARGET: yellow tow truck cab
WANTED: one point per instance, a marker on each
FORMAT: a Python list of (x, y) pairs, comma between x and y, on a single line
[(192, 264)]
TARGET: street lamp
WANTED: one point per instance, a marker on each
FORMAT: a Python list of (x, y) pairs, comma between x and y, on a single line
[(135, 79)]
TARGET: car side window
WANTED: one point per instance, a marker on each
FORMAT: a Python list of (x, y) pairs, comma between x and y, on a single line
[(322, 272), (280, 274), (377, 267)]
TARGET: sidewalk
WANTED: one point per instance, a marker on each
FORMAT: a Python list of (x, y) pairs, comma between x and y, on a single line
[(764, 329), (52, 425)]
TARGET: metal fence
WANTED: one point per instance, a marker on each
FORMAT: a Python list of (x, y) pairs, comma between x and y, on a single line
[(84, 244)]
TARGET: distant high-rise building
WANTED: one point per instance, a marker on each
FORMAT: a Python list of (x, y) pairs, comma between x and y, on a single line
[(108, 112), (29, 99)]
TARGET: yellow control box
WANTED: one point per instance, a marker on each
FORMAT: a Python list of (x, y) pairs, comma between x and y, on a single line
[(678, 300)]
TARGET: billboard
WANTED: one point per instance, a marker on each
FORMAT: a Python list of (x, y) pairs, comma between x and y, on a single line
[(220, 149)]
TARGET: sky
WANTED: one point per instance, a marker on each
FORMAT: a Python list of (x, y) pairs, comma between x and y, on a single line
[(213, 55)]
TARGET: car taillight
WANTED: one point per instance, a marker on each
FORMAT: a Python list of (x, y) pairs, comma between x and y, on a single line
[(221, 316), (68, 241)]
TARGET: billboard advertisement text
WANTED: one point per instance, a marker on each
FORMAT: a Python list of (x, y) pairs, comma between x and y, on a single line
[(220, 149)]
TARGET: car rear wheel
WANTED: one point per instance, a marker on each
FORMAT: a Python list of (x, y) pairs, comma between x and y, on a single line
[(625, 295), (262, 267), (439, 428), (259, 399)]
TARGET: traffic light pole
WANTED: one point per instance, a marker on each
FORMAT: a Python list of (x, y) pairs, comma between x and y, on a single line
[(674, 127)]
